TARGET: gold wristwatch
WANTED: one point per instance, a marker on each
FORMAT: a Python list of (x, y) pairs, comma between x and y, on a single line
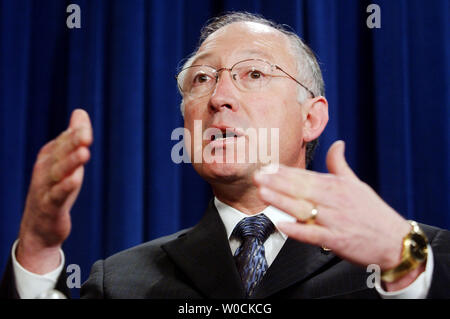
[(414, 253)]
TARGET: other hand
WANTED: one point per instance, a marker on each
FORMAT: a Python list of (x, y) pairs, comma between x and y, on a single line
[(352, 220), (55, 184)]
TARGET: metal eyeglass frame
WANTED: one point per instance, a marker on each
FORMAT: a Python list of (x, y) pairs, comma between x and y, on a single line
[(230, 69)]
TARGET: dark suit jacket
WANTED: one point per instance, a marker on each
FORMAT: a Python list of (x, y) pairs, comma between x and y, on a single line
[(197, 263)]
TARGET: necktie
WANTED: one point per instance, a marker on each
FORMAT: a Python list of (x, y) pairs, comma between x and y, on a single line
[(250, 256)]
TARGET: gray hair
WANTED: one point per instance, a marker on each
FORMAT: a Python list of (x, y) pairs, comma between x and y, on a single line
[(308, 69)]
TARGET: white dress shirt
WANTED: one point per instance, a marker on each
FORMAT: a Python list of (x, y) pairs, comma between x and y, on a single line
[(231, 217), (272, 246), (30, 285)]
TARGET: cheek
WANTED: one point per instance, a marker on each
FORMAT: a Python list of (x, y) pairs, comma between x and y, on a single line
[(265, 111), (275, 112), (286, 115), (194, 121), (292, 128), (192, 111)]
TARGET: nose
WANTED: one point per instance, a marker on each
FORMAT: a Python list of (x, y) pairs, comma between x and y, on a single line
[(225, 94)]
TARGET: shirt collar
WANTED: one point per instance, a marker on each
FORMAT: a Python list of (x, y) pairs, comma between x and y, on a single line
[(231, 216)]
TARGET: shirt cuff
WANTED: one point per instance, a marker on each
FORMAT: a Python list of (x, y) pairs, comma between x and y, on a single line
[(30, 285), (418, 289)]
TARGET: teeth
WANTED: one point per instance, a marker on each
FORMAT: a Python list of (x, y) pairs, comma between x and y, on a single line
[(224, 136)]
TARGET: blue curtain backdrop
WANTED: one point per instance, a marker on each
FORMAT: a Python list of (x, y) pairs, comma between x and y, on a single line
[(388, 91)]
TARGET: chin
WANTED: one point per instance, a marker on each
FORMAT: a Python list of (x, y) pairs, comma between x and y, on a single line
[(225, 172)]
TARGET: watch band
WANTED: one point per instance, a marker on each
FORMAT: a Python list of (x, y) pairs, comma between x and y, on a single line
[(414, 253)]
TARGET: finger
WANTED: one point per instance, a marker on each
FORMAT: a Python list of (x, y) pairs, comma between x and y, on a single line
[(299, 183), (71, 139), (78, 133), (61, 191), (67, 165), (44, 158), (47, 149), (80, 129), (336, 162), (63, 141), (298, 208), (79, 118), (310, 234)]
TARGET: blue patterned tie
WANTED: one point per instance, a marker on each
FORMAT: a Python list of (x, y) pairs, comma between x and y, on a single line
[(250, 256)]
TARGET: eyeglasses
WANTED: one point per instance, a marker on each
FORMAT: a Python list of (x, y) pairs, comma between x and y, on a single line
[(248, 75)]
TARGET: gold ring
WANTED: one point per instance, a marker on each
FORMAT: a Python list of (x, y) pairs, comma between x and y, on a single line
[(312, 218)]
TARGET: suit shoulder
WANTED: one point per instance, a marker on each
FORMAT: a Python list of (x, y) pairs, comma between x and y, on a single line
[(145, 250), (432, 231), (132, 273)]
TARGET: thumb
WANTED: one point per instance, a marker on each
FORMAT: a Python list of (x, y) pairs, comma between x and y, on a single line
[(79, 118), (336, 162)]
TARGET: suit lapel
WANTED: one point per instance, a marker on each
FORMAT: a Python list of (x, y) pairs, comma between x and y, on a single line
[(204, 255), (295, 262)]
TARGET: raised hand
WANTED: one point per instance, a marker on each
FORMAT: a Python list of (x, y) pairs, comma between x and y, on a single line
[(352, 219), (55, 184)]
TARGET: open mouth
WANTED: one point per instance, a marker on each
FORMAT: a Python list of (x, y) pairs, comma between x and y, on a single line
[(226, 134)]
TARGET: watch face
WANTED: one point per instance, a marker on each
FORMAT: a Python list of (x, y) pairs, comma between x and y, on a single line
[(418, 247)]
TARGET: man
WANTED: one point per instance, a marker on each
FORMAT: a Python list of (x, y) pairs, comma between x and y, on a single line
[(246, 74)]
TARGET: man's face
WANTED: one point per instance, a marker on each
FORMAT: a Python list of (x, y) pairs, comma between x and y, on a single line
[(273, 107)]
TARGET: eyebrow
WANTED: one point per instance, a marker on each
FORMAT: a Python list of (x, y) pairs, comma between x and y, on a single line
[(201, 56), (259, 53)]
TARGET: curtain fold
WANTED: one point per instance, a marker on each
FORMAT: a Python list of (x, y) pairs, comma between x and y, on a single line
[(388, 92)]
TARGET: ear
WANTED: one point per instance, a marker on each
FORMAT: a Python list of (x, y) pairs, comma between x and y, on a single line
[(315, 117)]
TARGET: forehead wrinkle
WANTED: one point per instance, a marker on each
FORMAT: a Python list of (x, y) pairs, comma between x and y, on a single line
[(259, 48), (257, 40)]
